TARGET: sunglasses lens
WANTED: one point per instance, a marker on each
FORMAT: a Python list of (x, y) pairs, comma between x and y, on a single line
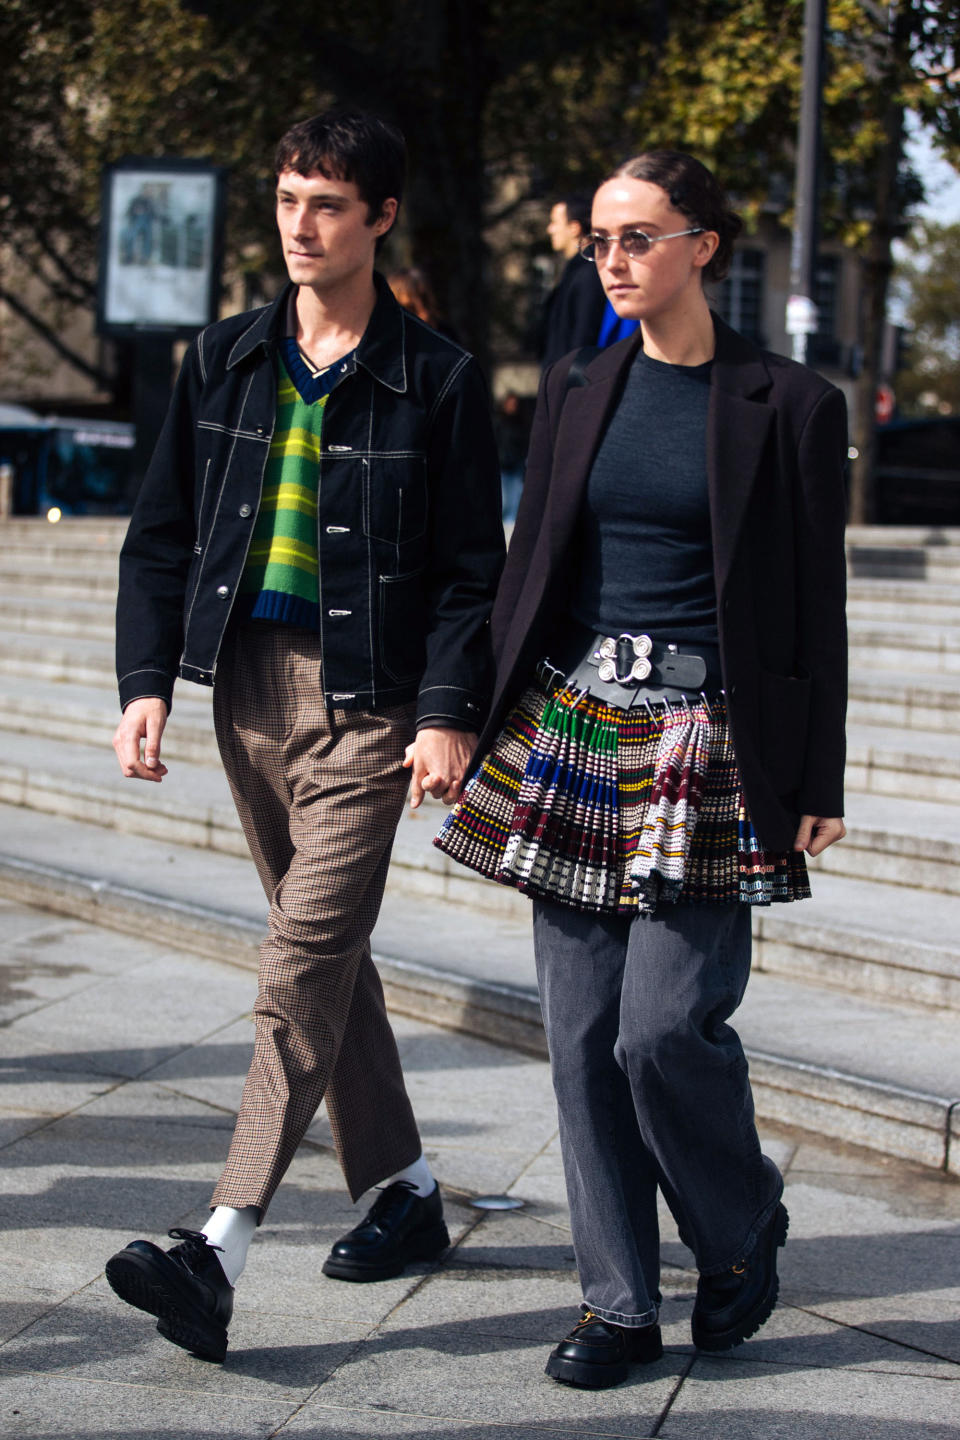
[(635, 244)]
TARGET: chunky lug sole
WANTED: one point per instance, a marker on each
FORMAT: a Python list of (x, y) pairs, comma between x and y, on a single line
[(594, 1375), (142, 1284), (426, 1244), (749, 1323)]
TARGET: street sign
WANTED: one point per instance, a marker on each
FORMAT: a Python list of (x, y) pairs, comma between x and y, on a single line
[(801, 315), (885, 404)]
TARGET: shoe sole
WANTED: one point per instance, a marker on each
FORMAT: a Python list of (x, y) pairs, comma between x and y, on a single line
[(138, 1284), (750, 1324), (584, 1375), (429, 1245), (598, 1377)]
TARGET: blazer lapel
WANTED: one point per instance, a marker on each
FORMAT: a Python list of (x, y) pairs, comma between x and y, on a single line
[(739, 425), (586, 409)]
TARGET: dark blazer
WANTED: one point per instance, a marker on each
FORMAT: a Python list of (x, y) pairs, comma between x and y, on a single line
[(573, 312), (776, 453)]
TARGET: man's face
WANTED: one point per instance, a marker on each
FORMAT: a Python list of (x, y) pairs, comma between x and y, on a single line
[(564, 233), (324, 229)]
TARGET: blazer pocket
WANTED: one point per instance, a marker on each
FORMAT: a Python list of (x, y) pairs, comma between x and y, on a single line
[(402, 611), (784, 718)]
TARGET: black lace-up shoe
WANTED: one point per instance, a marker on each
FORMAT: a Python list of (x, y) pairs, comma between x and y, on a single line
[(401, 1227), (185, 1288), (734, 1304), (596, 1353)]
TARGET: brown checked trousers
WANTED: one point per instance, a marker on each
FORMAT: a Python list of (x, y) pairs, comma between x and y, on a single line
[(319, 794)]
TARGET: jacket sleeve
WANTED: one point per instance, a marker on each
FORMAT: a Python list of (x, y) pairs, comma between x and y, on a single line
[(821, 620), (156, 553), (465, 554)]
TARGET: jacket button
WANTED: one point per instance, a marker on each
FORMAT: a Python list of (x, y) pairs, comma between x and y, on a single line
[(246, 510), (223, 592)]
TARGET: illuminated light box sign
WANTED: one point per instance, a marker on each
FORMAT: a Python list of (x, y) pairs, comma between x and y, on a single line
[(161, 246)]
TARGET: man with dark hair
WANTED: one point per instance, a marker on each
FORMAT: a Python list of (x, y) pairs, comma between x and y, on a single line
[(319, 533), (574, 308)]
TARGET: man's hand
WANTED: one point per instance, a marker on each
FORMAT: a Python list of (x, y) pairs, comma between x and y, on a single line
[(143, 720), (438, 761), (816, 833)]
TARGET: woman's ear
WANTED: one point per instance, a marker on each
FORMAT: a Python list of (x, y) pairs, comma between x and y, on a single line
[(707, 245)]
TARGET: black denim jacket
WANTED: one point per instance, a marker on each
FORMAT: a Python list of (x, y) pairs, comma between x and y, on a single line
[(408, 528)]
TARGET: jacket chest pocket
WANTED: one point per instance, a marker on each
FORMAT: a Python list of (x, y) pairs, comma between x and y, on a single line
[(395, 498)]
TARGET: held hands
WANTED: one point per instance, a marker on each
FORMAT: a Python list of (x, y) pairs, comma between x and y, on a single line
[(438, 761), (816, 833), (143, 720)]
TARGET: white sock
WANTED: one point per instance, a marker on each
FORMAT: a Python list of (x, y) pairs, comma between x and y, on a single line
[(232, 1230), (419, 1175)]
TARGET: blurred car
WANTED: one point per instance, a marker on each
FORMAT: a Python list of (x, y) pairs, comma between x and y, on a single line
[(917, 476), (79, 466)]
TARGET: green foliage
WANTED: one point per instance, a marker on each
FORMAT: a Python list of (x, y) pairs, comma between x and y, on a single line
[(929, 277), (547, 97)]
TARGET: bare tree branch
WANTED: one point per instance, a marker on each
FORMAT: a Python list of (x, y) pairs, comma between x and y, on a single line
[(93, 372)]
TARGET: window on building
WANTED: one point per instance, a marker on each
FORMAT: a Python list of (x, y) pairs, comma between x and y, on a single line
[(740, 296)]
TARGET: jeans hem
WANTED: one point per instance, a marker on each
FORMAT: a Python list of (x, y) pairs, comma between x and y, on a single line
[(750, 1244), (627, 1322)]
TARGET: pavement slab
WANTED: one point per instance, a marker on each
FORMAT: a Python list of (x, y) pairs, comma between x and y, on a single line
[(121, 1064)]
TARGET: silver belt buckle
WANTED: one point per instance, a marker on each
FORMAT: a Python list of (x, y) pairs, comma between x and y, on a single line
[(640, 667)]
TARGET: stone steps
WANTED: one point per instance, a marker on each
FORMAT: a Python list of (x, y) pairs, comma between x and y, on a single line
[(50, 616), (883, 761), (904, 648), (908, 552), (889, 698), (88, 715), (877, 697), (874, 645), (849, 1017), (912, 764), (866, 934), (879, 1072), (903, 601)]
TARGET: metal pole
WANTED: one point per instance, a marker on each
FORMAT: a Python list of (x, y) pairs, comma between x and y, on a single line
[(153, 365), (801, 308)]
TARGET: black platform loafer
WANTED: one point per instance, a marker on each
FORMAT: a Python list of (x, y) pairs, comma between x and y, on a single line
[(596, 1353), (400, 1227), (733, 1305), (185, 1288)]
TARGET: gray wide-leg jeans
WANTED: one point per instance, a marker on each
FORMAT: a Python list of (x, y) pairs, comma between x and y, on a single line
[(652, 1090)]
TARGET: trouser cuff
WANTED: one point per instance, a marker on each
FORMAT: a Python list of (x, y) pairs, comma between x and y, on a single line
[(628, 1322)]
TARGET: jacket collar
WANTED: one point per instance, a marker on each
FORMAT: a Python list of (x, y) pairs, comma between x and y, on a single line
[(381, 350), (738, 364)]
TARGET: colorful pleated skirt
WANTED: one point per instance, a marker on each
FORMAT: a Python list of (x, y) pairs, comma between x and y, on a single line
[(616, 811)]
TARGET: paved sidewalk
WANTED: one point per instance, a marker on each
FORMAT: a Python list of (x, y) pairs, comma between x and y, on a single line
[(123, 1062)]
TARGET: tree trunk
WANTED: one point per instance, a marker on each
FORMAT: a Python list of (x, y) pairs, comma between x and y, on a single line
[(877, 268), (447, 191)]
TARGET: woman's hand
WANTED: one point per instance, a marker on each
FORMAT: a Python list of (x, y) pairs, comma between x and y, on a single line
[(816, 833), (438, 761)]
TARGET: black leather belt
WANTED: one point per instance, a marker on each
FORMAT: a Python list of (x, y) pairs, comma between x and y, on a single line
[(627, 670)]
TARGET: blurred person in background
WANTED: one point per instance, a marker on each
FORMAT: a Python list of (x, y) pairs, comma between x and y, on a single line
[(574, 309), (413, 291)]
